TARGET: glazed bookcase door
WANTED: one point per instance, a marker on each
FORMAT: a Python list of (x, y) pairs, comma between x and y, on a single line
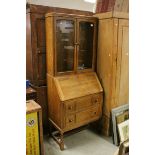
[(85, 44), (65, 45)]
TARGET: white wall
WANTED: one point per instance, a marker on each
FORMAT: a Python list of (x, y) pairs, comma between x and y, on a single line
[(71, 4)]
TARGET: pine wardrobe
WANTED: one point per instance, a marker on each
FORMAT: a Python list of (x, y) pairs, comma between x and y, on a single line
[(113, 62)]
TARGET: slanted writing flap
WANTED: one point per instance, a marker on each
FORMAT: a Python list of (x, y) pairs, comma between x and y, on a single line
[(77, 85)]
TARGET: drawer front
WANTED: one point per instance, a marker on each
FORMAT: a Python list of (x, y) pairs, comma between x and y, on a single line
[(82, 103), (96, 99), (70, 106), (70, 121), (88, 115), (81, 118), (88, 101)]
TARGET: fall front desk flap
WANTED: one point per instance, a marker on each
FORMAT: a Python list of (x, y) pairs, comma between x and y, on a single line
[(77, 85)]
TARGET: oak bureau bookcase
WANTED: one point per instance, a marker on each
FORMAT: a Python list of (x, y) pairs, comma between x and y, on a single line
[(75, 94)]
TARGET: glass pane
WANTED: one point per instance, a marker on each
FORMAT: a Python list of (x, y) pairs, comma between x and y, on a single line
[(65, 45), (85, 53)]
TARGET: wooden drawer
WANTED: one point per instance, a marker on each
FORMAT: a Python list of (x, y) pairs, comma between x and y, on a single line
[(96, 99), (82, 103), (70, 121), (88, 101), (70, 106), (88, 115), (83, 117)]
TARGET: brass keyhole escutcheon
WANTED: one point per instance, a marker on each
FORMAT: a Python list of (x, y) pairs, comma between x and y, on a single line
[(70, 107), (96, 100)]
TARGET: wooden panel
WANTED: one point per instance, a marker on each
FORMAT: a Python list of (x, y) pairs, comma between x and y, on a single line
[(125, 7), (40, 28), (38, 49), (41, 133), (122, 90), (32, 106), (35, 51), (31, 94), (119, 9), (29, 68), (112, 6), (103, 15), (114, 64), (42, 101), (121, 6), (106, 59), (50, 45), (83, 102), (106, 125), (78, 85), (104, 5), (124, 15), (44, 9), (118, 5), (54, 104)]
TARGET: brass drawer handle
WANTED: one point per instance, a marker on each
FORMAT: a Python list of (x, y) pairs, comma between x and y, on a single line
[(70, 120), (70, 107), (94, 113), (96, 100)]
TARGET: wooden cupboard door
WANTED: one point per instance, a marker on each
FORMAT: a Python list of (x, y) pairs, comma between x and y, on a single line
[(38, 49), (122, 80), (41, 49), (65, 44), (29, 68), (86, 33), (106, 60)]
